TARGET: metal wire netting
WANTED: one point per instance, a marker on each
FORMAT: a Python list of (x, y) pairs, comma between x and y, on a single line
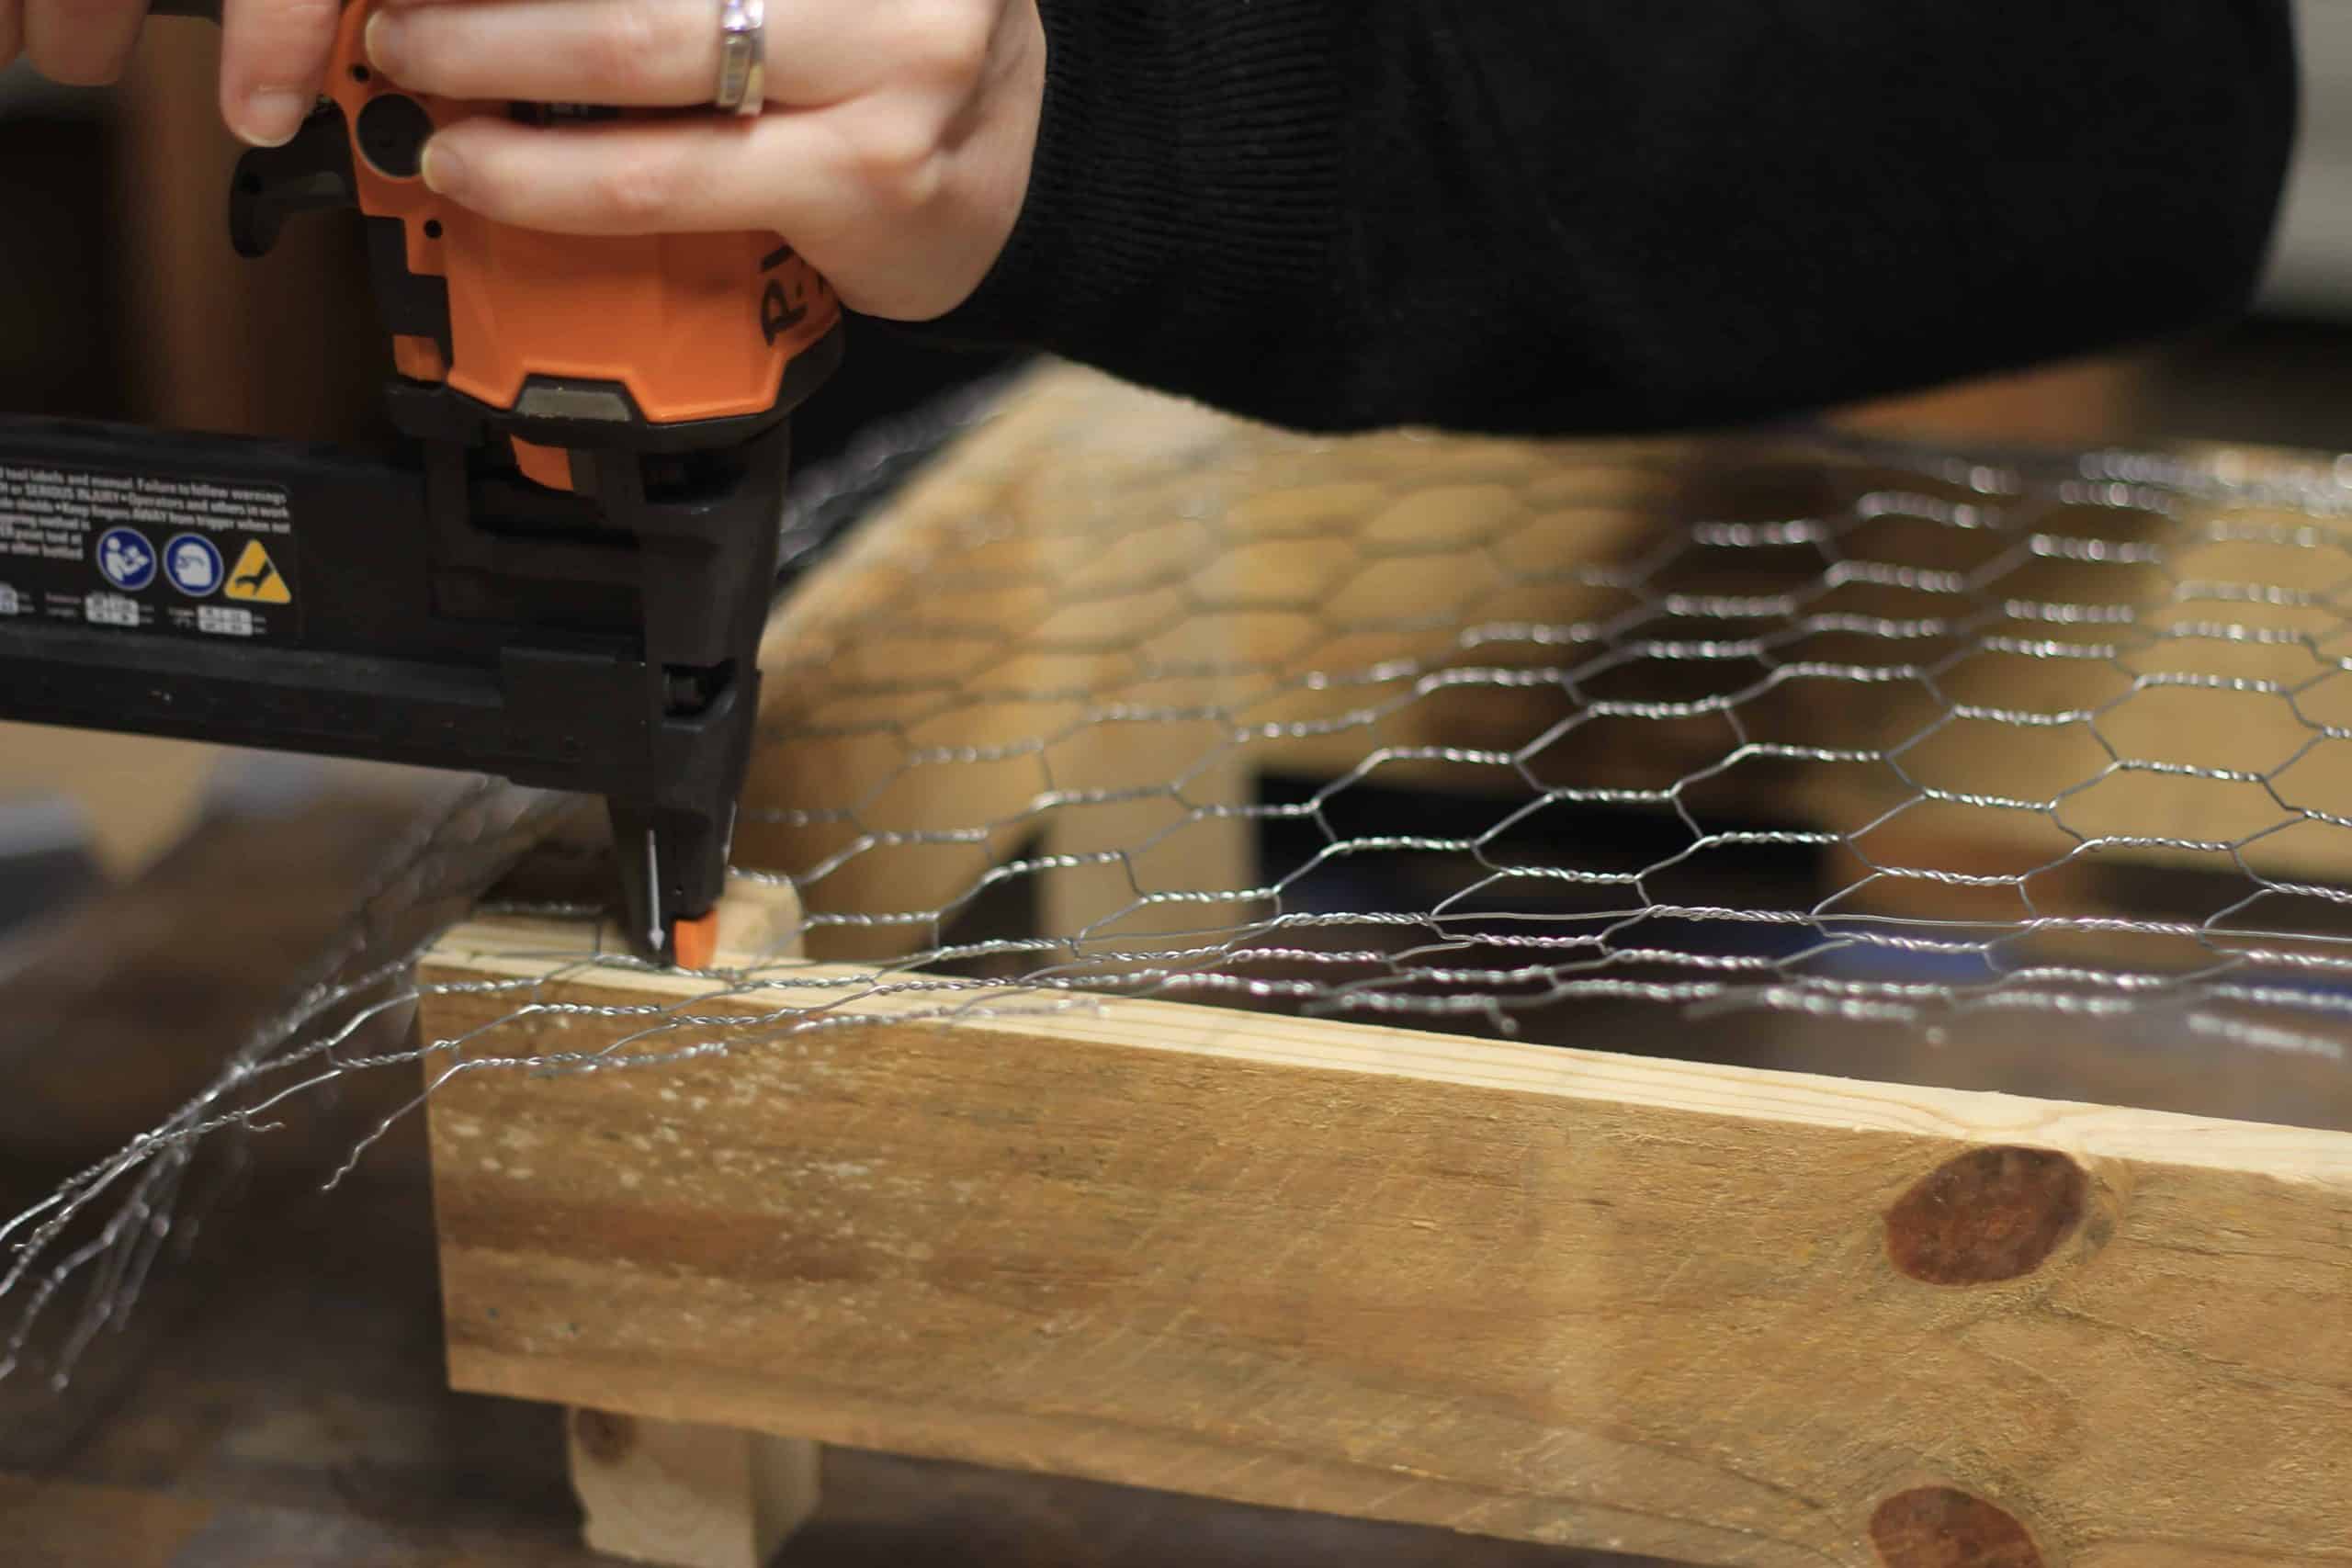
[(1441, 727), (1570, 744)]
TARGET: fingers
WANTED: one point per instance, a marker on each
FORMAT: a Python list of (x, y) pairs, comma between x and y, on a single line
[(12, 31), (84, 42), (273, 60), (903, 195), (684, 177), (645, 54)]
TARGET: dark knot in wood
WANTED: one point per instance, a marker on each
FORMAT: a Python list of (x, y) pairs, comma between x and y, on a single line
[(1990, 1214), (605, 1438), (1939, 1527)]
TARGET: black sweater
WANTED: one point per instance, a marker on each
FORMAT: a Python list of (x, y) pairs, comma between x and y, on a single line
[(1622, 215)]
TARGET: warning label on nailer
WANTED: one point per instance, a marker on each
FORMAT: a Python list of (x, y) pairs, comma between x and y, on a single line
[(148, 553)]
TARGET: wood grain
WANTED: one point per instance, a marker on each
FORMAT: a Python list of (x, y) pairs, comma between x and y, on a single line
[(280, 1400), (1541, 1293)]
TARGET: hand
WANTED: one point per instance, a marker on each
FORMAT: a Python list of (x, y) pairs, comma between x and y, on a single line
[(271, 61), (80, 42), (894, 153)]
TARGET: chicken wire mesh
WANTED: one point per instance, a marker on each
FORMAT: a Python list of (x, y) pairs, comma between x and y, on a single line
[(1574, 744), (1460, 728)]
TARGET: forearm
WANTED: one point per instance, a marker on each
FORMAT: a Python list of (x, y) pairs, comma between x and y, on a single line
[(1550, 215)]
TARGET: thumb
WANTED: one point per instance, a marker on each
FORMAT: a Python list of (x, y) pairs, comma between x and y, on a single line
[(273, 60)]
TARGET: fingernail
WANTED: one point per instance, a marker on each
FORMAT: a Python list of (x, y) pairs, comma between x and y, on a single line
[(273, 116), (382, 43), (441, 168)]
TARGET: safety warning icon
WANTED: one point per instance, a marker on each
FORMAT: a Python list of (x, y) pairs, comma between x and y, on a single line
[(193, 565), (255, 579), (126, 558)]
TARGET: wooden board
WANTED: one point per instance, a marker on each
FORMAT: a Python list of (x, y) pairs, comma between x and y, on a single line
[(137, 794), (948, 690), (1092, 624), (1717, 1316), (278, 1398), (1092, 627), (2082, 402)]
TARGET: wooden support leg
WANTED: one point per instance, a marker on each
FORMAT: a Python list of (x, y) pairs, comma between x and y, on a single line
[(1159, 850), (1200, 845), (675, 1493), (688, 1496)]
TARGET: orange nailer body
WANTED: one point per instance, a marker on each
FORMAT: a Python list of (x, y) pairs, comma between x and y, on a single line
[(689, 327), (587, 616)]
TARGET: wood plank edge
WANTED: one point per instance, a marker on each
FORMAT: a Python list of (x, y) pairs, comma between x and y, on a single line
[(1019, 1017)]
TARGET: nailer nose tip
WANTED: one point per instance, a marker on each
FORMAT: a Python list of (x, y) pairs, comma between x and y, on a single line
[(693, 945)]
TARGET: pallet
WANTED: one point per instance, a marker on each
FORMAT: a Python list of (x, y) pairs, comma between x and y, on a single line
[(1706, 1313), (1718, 1315)]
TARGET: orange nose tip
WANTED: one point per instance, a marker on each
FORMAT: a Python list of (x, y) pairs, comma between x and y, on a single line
[(549, 466), (693, 945)]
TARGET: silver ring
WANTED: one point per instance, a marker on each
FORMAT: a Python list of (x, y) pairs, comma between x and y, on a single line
[(742, 55)]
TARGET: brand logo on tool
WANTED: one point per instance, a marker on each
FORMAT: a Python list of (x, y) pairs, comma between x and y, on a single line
[(193, 565), (126, 558)]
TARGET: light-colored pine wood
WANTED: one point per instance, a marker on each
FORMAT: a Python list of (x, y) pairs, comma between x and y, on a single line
[(687, 1497), (1150, 842), (1535, 1292), (677, 1493), (956, 688), (1718, 1315), (2082, 402), (1101, 592), (1431, 613)]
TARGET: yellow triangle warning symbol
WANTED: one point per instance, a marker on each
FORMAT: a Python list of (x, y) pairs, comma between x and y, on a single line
[(255, 579)]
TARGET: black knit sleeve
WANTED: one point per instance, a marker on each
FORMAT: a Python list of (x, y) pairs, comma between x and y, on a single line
[(1572, 215)]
